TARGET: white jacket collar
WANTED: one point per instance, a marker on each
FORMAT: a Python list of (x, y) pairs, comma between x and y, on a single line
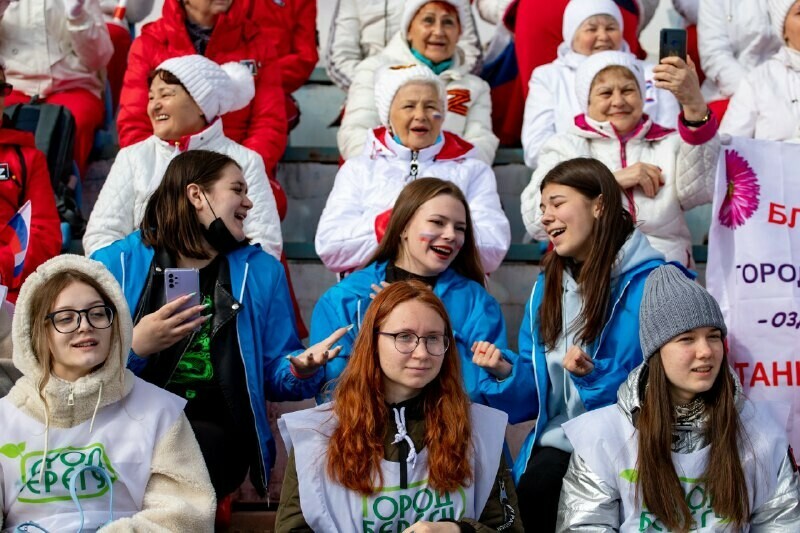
[(197, 141)]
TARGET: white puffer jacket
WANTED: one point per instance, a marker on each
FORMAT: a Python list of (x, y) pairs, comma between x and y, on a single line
[(138, 170), (368, 185), (767, 103), (469, 113), (45, 52), (552, 105), (734, 37), (687, 159), (362, 28), (493, 11)]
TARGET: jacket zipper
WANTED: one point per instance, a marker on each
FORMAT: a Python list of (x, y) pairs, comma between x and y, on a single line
[(623, 155), (414, 164)]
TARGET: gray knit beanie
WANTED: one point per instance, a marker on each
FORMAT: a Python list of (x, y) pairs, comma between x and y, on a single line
[(673, 304)]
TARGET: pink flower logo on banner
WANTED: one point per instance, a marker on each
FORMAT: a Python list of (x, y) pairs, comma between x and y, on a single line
[(741, 196)]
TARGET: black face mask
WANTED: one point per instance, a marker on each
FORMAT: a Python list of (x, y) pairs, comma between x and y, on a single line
[(219, 236)]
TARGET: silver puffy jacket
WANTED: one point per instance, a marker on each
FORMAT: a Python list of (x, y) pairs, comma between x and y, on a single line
[(590, 504)]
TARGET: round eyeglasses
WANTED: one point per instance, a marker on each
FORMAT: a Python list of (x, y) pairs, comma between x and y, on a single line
[(406, 342), (69, 320)]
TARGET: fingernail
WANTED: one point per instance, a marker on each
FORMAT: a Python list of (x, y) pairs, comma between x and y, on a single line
[(206, 306), (288, 357), (351, 326), (191, 294)]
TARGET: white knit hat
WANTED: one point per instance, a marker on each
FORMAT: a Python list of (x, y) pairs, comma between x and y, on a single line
[(579, 10), (778, 9), (593, 64), (389, 80), (412, 6), (215, 89)]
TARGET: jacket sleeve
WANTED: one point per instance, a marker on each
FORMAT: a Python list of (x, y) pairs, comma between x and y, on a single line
[(556, 150), (280, 340), (330, 313), (267, 130), (521, 399), (344, 50), (133, 125), (45, 233), (696, 167), (345, 236), (782, 511), (290, 515), (478, 128), (262, 223), (179, 495), (90, 38), (297, 66), (742, 114), (470, 43), (539, 120), (687, 9), (500, 510), (112, 216), (360, 113), (493, 11), (492, 229), (587, 502), (137, 11), (716, 49)]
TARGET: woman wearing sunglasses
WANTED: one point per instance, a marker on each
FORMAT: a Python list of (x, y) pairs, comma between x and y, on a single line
[(76, 406), (400, 448)]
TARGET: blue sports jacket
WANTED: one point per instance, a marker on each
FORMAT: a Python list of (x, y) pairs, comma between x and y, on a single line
[(474, 314), (265, 326)]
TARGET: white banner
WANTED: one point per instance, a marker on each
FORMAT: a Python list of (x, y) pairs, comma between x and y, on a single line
[(754, 269)]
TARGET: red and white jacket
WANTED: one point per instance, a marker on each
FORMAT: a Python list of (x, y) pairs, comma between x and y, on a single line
[(22, 180), (368, 185), (687, 159)]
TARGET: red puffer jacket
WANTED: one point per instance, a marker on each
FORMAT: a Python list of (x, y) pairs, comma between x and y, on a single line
[(292, 28), (261, 126), (20, 181)]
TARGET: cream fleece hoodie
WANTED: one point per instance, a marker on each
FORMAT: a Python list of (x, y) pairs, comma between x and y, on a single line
[(178, 495)]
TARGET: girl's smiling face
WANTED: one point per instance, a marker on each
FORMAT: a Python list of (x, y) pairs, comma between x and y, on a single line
[(433, 236)]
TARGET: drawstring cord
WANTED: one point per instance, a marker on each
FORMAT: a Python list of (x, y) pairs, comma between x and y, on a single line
[(96, 406), (402, 435)]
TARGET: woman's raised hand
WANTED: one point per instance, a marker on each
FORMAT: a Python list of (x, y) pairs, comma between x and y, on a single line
[(316, 356), (644, 175), (163, 328), (577, 362), (489, 357), (680, 78)]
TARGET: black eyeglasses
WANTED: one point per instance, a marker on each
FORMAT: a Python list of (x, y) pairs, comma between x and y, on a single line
[(6, 88), (69, 320), (407, 342)]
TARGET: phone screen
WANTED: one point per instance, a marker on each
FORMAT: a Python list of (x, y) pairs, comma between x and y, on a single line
[(673, 43)]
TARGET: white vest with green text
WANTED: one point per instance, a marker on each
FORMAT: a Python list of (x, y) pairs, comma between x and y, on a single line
[(122, 442), (607, 441), (329, 507)]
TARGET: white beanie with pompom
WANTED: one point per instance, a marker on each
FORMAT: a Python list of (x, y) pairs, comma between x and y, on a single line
[(592, 65), (215, 89), (778, 9), (389, 80)]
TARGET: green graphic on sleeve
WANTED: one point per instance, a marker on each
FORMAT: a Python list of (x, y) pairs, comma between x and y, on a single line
[(195, 364)]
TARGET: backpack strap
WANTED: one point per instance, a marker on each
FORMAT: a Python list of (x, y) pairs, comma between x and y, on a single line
[(46, 127), (23, 178)]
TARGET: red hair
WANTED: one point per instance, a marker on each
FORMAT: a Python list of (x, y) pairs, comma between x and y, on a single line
[(356, 447)]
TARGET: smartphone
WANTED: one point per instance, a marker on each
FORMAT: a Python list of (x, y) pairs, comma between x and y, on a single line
[(181, 281), (673, 43)]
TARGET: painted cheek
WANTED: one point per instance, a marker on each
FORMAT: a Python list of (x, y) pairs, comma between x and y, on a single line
[(425, 236)]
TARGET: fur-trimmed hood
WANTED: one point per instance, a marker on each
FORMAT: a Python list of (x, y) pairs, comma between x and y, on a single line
[(108, 384)]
